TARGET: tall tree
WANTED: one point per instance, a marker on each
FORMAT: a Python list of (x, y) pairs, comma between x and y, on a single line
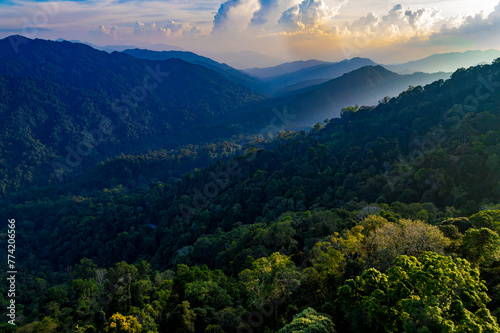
[(309, 321), (481, 246), (432, 294), (271, 279)]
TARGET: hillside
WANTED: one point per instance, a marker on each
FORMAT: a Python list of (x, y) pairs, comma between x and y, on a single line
[(396, 199), (55, 93), (364, 86), (79, 65), (282, 69), (178, 211), (326, 71), (70, 90), (446, 62), (223, 69)]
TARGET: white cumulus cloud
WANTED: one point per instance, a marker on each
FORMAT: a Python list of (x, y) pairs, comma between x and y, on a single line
[(309, 14), (170, 29), (482, 31), (103, 32), (400, 23)]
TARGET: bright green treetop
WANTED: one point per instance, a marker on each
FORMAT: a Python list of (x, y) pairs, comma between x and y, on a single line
[(309, 321), (270, 278), (435, 293)]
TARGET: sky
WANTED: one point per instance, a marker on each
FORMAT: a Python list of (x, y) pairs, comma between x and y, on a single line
[(331, 30)]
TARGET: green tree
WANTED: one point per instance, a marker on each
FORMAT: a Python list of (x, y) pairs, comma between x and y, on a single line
[(486, 219), (47, 325), (309, 321), (85, 269), (480, 246), (122, 277), (433, 294), (270, 279), (206, 293), (372, 223), (329, 259), (182, 319)]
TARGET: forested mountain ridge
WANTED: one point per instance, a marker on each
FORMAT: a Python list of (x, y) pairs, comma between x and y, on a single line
[(364, 86), (326, 71), (79, 106), (53, 94), (284, 68), (446, 61), (382, 220), (223, 69), (80, 66)]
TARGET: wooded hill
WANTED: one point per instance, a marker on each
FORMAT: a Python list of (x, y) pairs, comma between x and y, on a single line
[(383, 220)]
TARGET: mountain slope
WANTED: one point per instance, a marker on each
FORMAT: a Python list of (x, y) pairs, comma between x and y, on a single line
[(364, 86), (446, 62), (76, 64), (65, 91), (171, 86), (369, 155), (391, 200), (282, 69), (324, 72), (223, 69)]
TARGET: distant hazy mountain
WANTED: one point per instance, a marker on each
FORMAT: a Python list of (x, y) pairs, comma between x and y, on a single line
[(299, 87), (446, 62), (283, 68), (223, 69), (101, 48), (120, 48), (164, 47), (363, 86), (246, 59), (322, 72)]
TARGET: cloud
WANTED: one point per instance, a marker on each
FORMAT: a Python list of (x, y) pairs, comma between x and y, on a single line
[(483, 31), (171, 29), (244, 13), (405, 22), (399, 23), (234, 16), (223, 13), (266, 8), (103, 32), (309, 14), (318, 17), (256, 12), (81, 19)]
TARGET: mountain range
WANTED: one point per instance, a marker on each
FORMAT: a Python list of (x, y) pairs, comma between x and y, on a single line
[(193, 58), (119, 48), (318, 73), (446, 62), (321, 70), (288, 78), (284, 68), (159, 100), (246, 59), (376, 182), (54, 93), (162, 195), (363, 86)]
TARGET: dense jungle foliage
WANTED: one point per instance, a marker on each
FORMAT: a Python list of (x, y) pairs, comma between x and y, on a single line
[(386, 219)]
